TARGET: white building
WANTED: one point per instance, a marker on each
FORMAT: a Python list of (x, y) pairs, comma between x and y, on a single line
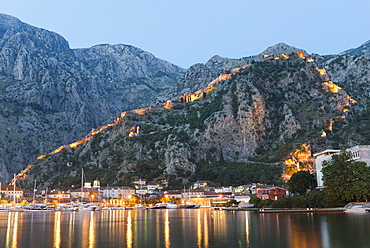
[(58, 194), (10, 191), (359, 153), (85, 194), (200, 184), (118, 192), (140, 182), (220, 190)]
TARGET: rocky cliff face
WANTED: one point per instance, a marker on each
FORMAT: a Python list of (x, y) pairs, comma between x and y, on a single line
[(51, 94), (351, 72)]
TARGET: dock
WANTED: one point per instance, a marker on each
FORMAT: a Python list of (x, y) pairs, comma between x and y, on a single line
[(300, 210)]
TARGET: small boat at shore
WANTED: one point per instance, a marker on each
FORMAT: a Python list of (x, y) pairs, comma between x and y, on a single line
[(357, 207)]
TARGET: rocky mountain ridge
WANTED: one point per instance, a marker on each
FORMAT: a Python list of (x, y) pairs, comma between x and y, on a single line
[(255, 114), (51, 94)]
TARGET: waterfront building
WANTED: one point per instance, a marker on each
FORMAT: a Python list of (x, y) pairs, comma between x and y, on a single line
[(85, 194), (60, 195), (190, 193), (173, 194), (270, 192), (8, 192), (239, 197), (359, 153), (118, 192)]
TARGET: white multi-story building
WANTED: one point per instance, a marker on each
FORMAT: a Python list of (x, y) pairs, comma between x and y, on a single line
[(118, 192), (220, 190), (359, 153), (9, 191)]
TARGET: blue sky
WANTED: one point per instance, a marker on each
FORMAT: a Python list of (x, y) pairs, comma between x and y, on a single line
[(185, 32)]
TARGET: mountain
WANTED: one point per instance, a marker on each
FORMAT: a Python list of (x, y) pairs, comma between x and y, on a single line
[(199, 75), (51, 94), (361, 50), (229, 120), (253, 115), (280, 48)]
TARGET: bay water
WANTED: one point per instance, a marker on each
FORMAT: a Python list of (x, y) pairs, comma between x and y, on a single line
[(198, 228)]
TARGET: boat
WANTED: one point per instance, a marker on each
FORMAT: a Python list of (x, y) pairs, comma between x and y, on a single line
[(193, 204), (139, 207), (118, 208), (89, 207), (186, 206), (172, 205), (16, 209), (68, 208), (189, 205), (357, 207), (159, 206), (38, 207)]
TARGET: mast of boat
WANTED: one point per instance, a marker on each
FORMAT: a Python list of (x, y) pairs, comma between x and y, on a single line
[(34, 191), (82, 185), (14, 190)]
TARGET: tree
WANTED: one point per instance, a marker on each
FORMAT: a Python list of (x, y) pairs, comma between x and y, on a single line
[(300, 182), (346, 179)]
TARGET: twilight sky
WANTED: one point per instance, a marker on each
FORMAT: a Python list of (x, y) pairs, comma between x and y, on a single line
[(185, 32)]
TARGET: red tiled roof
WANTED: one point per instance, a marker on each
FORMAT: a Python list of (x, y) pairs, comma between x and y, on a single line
[(9, 187)]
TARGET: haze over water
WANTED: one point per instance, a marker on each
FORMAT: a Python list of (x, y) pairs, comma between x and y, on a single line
[(183, 228)]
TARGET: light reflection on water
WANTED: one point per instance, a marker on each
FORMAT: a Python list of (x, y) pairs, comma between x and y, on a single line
[(202, 228), (57, 235)]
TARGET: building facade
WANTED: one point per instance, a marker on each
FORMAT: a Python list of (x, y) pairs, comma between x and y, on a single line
[(359, 153), (85, 194), (9, 192), (270, 192), (118, 192)]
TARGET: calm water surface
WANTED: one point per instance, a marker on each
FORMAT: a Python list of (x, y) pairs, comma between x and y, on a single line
[(183, 228)]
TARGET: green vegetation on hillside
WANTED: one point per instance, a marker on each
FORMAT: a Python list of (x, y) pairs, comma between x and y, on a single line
[(235, 174)]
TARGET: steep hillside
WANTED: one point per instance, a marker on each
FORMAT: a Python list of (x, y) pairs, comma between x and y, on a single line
[(254, 114), (352, 73), (51, 94)]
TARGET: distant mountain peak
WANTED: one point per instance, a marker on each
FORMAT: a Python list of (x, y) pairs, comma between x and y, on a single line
[(363, 49), (281, 48)]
